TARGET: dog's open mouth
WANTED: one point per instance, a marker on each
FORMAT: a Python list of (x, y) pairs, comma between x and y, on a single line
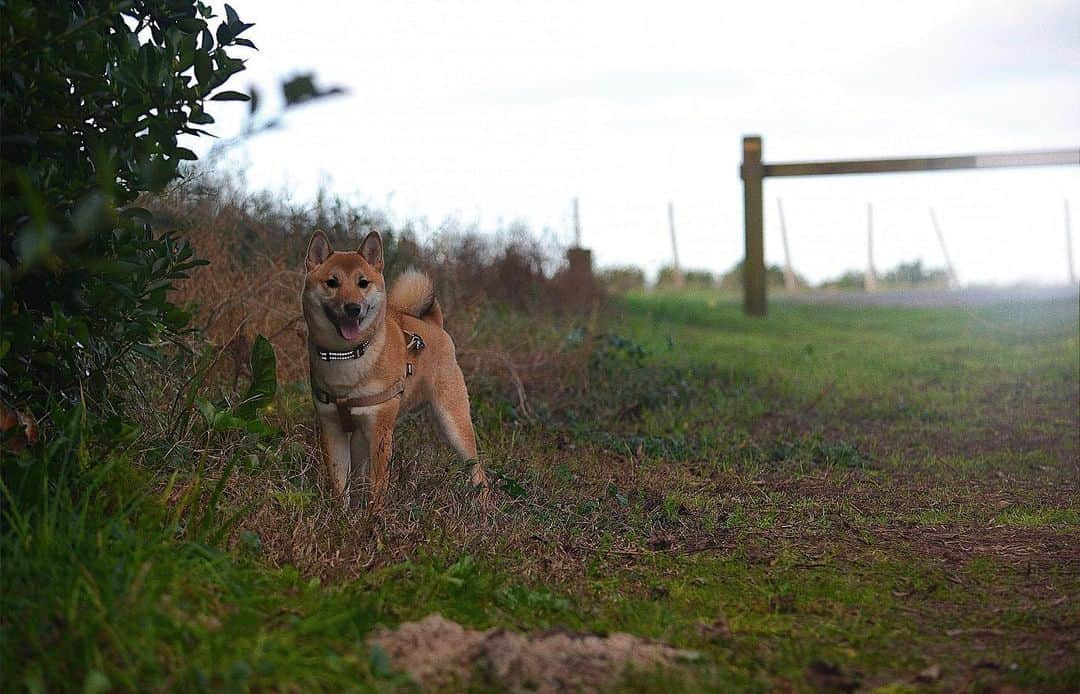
[(348, 326), (350, 329)]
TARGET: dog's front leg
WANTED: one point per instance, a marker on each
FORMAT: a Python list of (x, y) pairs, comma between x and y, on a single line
[(361, 461), (379, 432), (334, 447)]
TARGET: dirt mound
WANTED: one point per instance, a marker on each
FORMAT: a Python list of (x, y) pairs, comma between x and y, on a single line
[(438, 653)]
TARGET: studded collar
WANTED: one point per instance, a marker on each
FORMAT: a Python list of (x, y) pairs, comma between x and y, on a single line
[(355, 353)]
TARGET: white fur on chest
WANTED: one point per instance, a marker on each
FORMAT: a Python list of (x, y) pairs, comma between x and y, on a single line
[(351, 377)]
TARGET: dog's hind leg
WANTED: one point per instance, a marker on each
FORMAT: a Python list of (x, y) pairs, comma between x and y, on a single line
[(450, 403)]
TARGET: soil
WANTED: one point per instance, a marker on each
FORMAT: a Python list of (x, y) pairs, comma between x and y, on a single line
[(438, 653)]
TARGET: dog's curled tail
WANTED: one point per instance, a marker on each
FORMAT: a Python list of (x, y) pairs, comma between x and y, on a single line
[(413, 294)]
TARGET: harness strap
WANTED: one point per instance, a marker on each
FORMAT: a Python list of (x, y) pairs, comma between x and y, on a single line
[(345, 405), (414, 343)]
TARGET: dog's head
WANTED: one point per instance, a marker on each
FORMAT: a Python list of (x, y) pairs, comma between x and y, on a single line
[(344, 292)]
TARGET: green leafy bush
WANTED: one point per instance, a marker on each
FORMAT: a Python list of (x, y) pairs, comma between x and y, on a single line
[(95, 95)]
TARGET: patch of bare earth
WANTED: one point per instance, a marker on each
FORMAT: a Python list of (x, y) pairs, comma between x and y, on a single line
[(438, 653)]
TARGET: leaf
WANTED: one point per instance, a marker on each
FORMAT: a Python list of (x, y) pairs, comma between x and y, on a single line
[(509, 486), (207, 409), (263, 379), (302, 88), (224, 420), (230, 96), (200, 118), (192, 25), (259, 428), (204, 67)]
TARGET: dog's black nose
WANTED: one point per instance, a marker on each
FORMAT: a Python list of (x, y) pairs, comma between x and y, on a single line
[(353, 310)]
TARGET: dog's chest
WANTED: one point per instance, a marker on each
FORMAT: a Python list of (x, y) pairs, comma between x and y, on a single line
[(348, 378)]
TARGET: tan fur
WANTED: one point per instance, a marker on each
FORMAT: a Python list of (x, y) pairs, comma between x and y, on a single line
[(413, 294), (437, 379)]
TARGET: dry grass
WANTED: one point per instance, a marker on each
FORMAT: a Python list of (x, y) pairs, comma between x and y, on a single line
[(255, 246), (492, 291)]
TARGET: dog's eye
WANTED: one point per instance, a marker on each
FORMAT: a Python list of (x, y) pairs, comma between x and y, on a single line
[(363, 283), (332, 282)]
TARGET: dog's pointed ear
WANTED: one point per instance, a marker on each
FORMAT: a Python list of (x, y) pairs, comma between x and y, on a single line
[(372, 251), (318, 250)]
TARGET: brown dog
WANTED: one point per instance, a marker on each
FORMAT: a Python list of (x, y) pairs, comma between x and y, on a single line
[(374, 355)]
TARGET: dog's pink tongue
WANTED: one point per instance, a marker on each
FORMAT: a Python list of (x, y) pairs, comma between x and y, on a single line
[(350, 330)]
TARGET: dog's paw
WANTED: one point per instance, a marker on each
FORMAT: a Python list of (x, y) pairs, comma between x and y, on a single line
[(481, 485), (478, 478)]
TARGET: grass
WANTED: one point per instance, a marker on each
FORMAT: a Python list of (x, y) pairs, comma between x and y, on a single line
[(827, 497)]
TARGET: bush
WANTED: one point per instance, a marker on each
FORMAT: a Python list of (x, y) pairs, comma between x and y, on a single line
[(692, 279), (619, 280), (911, 274), (93, 100), (774, 277), (852, 279)]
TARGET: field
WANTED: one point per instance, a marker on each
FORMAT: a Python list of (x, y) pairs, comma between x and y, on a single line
[(838, 498), (829, 499)]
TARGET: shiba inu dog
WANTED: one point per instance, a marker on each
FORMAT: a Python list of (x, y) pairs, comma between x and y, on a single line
[(375, 354)]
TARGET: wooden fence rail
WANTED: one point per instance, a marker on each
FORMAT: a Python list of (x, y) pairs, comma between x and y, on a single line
[(754, 171)]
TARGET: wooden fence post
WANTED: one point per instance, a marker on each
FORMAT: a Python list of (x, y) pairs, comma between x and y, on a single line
[(753, 173), (754, 262)]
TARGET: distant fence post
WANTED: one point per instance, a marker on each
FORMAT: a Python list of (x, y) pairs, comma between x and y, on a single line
[(1068, 244), (676, 269), (870, 281), (953, 281), (579, 259), (790, 283), (754, 213), (580, 271)]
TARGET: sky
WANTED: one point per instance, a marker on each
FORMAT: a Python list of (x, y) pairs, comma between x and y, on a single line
[(492, 112)]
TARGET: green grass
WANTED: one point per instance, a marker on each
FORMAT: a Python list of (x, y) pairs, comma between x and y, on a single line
[(877, 489)]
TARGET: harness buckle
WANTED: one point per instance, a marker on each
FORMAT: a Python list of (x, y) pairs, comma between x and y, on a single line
[(416, 343)]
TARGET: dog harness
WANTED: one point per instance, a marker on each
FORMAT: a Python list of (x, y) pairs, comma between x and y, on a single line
[(413, 344)]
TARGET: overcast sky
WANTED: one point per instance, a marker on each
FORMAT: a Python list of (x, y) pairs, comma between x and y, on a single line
[(497, 111)]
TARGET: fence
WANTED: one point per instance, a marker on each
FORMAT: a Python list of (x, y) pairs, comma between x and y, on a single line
[(754, 172)]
